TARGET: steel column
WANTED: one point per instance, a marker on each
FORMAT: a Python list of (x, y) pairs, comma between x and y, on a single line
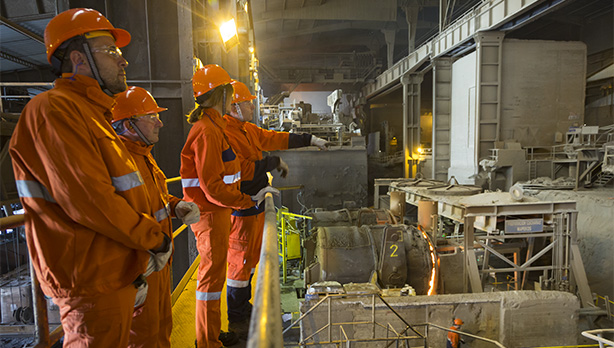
[(411, 121), (442, 115), (488, 90)]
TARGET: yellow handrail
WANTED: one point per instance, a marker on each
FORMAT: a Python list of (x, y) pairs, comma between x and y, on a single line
[(175, 179), (184, 281)]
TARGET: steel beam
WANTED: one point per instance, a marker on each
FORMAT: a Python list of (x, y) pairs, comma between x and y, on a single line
[(486, 16), (17, 60), (18, 28)]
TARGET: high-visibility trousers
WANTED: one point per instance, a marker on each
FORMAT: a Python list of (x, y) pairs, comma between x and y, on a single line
[(243, 255), (97, 322), (212, 243), (152, 323)]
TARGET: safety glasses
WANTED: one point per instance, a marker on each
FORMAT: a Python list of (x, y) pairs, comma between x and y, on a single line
[(150, 117), (113, 51)]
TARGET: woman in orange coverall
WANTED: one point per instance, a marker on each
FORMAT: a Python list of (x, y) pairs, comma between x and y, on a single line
[(249, 141), (136, 121), (210, 175)]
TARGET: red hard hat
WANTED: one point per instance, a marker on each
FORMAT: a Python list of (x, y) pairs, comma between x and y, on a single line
[(209, 77), (78, 21), (134, 101), (242, 93), (458, 321)]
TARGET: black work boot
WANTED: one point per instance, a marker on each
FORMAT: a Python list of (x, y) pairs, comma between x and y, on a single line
[(241, 328), (228, 338)]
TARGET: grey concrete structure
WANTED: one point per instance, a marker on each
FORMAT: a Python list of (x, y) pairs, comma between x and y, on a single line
[(515, 319)]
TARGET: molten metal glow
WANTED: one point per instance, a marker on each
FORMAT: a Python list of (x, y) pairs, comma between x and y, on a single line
[(435, 263)]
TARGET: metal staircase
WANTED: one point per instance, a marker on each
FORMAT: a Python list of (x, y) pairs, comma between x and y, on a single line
[(603, 179)]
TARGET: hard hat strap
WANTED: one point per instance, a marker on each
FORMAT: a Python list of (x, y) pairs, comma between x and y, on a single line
[(239, 111), (94, 68), (224, 102), (139, 133)]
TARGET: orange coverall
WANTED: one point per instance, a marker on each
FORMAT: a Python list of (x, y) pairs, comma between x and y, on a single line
[(88, 226), (249, 141), (453, 338), (210, 176), (152, 322)]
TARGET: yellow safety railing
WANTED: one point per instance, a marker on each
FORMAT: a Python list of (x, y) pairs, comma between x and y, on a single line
[(609, 304), (287, 227)]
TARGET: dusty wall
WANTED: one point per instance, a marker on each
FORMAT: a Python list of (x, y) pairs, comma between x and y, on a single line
[(595, 234), (330, 178), (515, 318), (543, 89)]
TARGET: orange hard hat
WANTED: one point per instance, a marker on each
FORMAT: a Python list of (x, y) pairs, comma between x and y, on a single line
[(78, 21), (458, 321), (134, 101), (242, 93), (209, 77)]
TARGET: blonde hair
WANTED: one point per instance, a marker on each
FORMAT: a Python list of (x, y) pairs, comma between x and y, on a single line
[(209, 100)]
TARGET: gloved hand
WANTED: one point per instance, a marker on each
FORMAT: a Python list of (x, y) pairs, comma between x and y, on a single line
[(320, 143), (188, 212), (283, 168), (259, 197), (159, 258), (141, 290)]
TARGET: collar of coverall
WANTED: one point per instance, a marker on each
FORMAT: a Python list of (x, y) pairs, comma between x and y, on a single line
[(136, 147), (86, 86)]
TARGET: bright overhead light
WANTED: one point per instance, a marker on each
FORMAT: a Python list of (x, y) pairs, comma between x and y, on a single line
[(228, 30)]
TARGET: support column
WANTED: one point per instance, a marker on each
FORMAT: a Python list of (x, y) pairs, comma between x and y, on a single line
[(442, 116), (389, 36), (470, 265), (411, 121), (411, 17), (488, 90), (186, 56)]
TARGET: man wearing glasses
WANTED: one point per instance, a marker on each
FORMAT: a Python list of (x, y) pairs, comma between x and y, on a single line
[(136, 121), (90, 226)]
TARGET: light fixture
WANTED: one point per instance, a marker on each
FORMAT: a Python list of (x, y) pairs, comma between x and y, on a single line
[(228, 31)]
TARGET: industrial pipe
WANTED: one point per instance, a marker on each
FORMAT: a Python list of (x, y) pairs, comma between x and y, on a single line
[(265, 328)]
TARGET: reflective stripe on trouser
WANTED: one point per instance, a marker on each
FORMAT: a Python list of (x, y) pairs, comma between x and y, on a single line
[(88, 321), (152, 323), (212, 244), (243, 255)]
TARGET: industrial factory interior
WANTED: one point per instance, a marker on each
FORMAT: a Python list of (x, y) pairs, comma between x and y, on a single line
[(467, 175)]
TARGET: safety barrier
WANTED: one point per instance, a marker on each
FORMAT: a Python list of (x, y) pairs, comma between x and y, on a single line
[(287, 227), (265, 328), (397, 337), (607, 303), (596, 335)]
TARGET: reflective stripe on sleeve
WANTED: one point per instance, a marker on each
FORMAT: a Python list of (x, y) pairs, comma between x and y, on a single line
[(127, 182), (253, 271), (208, 296), (237, 283), (33, 189), (161, 214), (191, 182), (231, 179)]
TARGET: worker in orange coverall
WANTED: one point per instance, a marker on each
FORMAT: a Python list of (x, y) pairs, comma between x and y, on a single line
[(454, 339), (249, 141), (88, 224), (136, 121), (211, 175)]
